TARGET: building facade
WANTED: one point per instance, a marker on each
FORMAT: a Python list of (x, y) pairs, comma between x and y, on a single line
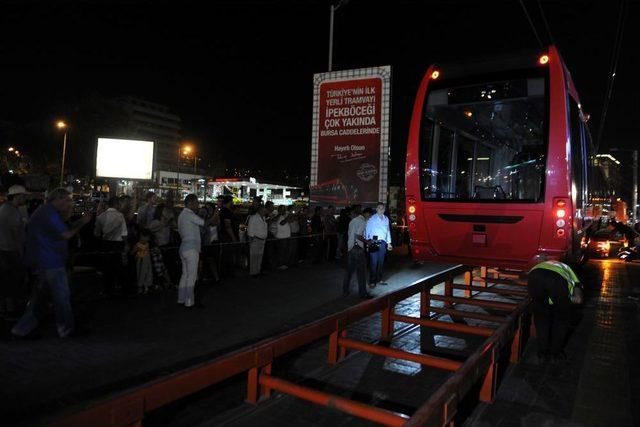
[(157, 123)]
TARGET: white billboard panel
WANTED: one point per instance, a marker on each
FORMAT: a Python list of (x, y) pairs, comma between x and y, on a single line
[(124, 158)]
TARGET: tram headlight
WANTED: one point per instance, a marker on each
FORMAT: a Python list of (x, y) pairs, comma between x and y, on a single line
[(543, 60), (560, 223), (435, 74), (412, 217), (561, 213)]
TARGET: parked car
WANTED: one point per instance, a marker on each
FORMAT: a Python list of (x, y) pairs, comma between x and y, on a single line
[(605, 243)]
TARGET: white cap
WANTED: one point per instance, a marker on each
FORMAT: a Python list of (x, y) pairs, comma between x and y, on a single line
[(16, 189)]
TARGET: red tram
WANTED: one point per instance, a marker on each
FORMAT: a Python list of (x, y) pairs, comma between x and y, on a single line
[(497, 163)]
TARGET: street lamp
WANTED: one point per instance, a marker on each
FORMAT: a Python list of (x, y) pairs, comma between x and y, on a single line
[(183, 151), (62, 126), (188, 150)]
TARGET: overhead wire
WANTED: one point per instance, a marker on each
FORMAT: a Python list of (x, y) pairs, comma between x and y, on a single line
[(546, 24), (533, 28), (612, 71)]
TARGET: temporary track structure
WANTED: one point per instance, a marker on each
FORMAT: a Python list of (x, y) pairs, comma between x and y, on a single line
[(478, 371)]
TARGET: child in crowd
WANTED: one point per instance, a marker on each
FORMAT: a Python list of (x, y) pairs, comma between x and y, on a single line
[(144, 269), (159, 268)]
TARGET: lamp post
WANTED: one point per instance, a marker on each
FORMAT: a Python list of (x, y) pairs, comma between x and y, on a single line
[(63, 126), (332, 12), (185, 151), (634, 194)]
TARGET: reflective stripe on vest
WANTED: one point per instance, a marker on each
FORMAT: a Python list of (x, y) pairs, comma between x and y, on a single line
[(563, 270)]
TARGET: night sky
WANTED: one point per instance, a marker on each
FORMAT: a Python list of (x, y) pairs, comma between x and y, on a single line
[(239, 73)]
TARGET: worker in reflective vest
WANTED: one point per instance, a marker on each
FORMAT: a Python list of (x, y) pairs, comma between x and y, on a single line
[(553, 287)]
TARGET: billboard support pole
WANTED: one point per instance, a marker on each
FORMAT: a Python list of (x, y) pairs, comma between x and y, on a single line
[(64, 154), (333, 9)]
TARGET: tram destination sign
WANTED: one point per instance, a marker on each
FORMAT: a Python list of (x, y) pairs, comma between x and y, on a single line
[(350, 140)]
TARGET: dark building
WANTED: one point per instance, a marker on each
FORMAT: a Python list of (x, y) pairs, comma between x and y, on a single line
[(157, 123)]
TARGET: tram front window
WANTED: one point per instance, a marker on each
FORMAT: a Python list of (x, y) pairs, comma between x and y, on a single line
[(484, 141)]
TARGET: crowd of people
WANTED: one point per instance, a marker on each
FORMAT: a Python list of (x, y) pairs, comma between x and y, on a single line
[(158, 247)]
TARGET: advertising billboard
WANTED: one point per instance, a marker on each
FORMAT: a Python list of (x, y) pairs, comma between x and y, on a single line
[(124, 158), (350, 141)]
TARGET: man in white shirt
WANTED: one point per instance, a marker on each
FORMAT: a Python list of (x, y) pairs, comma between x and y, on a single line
[(12, 240), (189, 228), (110, 225), (257, 231), (355, 246), (111, 228), (379, 233)]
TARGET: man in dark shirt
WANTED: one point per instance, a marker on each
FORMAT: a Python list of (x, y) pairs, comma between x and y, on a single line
[(317, 228), (46, 255), (343, 230), (228, 237)]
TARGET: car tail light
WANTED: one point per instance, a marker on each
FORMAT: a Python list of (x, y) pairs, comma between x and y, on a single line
[(560, 232)]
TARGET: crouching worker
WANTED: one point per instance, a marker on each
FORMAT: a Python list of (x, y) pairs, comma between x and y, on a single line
[(553, 287)]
